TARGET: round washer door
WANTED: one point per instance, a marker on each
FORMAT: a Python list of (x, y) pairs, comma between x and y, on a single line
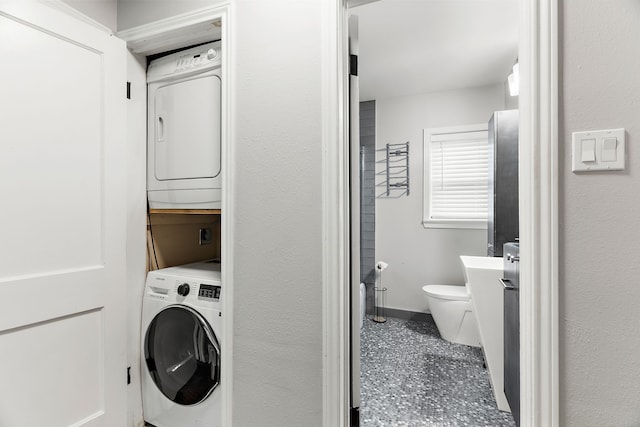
[(182, 355)]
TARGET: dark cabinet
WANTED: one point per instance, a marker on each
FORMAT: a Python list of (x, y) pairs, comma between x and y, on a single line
[(502, 218), (511, 283)]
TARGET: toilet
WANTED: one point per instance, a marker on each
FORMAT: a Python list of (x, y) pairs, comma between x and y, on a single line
[(452, 310)]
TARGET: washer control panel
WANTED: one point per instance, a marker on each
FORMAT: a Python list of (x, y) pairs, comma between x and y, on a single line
[(209, 291)]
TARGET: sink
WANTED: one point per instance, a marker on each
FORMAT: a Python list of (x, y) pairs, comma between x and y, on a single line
[(481, 276)]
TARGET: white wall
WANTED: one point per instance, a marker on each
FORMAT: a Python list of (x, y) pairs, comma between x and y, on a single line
[(278, 213), (132, 13), (102, 11), (600, 218), (419, 256)]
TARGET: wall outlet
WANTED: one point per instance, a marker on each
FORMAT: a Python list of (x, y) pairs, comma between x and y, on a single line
[(205, 236)]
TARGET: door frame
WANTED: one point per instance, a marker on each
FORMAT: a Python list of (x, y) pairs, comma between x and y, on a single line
[(181, 31), (538, 173)]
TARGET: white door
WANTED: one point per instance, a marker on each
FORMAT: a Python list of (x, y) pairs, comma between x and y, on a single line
[(62, 220), (354, 192)]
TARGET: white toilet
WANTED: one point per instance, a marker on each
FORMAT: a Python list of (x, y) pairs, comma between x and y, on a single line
[(452, 310)]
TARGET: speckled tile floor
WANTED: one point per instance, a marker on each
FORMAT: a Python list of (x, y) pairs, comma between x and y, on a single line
[(411, 377)]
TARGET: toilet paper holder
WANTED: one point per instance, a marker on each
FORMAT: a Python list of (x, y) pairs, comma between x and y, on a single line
[(379, 301), (379, 305)]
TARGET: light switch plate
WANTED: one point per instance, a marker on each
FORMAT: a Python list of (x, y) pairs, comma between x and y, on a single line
[(608, 153)]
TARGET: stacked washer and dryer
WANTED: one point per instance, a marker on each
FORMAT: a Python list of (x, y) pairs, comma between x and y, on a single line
[(181, 307)]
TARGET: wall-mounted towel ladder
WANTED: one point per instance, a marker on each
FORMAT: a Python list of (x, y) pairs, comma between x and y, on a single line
[(398, 167)]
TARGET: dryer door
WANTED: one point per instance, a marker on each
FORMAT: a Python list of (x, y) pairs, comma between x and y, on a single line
[(182, 355), (187, 129)]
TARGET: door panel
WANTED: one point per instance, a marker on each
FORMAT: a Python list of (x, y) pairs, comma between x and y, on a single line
[(53, 121), (49, 351), (62, 258)]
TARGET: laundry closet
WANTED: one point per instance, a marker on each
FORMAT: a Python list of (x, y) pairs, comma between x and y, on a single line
[(176, 112)]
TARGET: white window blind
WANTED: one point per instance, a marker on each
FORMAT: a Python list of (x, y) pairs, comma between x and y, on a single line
[(456, 177)]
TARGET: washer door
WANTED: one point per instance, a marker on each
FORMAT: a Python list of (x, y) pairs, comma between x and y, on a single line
[(182, 355)]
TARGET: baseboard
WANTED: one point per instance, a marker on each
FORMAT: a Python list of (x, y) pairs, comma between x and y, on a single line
[(405, 314)]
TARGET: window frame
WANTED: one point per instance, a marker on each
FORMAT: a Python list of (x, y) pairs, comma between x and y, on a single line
[(427, 222)]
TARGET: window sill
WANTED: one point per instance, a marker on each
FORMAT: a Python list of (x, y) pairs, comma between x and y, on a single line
[(452, 223)]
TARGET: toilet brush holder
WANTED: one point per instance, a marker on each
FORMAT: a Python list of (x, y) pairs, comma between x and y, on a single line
[(379, 305)]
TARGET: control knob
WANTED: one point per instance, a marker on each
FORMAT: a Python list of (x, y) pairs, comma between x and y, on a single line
[(183, 290), (211, 53)]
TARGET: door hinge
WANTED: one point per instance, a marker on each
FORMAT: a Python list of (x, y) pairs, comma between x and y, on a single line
[(355, 417), (353, 65), (128, 90), (128, 375)]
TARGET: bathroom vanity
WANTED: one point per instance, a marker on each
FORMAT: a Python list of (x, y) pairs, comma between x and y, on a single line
[(482, 277)]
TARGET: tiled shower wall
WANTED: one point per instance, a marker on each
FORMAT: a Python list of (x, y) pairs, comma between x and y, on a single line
[(367, 197)]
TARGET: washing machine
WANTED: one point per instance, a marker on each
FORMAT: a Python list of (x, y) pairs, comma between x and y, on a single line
[(184, 129), (181, 340)]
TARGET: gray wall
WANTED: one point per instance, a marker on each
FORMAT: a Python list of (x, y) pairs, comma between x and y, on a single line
[(367, 191), (600, 218), (368, 199)]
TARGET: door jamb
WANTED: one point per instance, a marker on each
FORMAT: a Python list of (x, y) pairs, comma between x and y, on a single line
[(538, 56), (539, 184), (335, 214)]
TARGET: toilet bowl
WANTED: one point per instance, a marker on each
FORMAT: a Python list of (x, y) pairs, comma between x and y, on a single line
[(452, 310)]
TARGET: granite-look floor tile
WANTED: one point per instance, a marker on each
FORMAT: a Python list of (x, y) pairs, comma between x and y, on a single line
[(410, 377)]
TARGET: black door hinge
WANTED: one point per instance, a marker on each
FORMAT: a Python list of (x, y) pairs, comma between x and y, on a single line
[(353, 65), (128, 90), (128, 375), (355, 417)]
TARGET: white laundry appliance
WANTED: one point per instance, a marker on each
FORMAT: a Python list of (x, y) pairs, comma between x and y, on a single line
[(181, 327), (184, 130)]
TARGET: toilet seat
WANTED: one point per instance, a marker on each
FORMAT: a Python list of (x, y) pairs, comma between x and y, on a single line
[(448, 292)]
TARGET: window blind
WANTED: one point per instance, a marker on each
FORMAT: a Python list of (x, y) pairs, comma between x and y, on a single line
[(458, 176)]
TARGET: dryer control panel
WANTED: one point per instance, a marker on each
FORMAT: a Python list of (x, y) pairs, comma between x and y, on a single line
[(186, 62), (195, 60)]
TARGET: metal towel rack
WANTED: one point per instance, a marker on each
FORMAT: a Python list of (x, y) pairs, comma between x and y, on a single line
[(398, 159)]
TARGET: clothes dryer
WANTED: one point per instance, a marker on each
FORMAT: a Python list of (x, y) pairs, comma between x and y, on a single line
[(184, 129), (181, 326)]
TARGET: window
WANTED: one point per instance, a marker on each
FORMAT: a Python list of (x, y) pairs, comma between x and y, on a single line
[(455, 177)]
